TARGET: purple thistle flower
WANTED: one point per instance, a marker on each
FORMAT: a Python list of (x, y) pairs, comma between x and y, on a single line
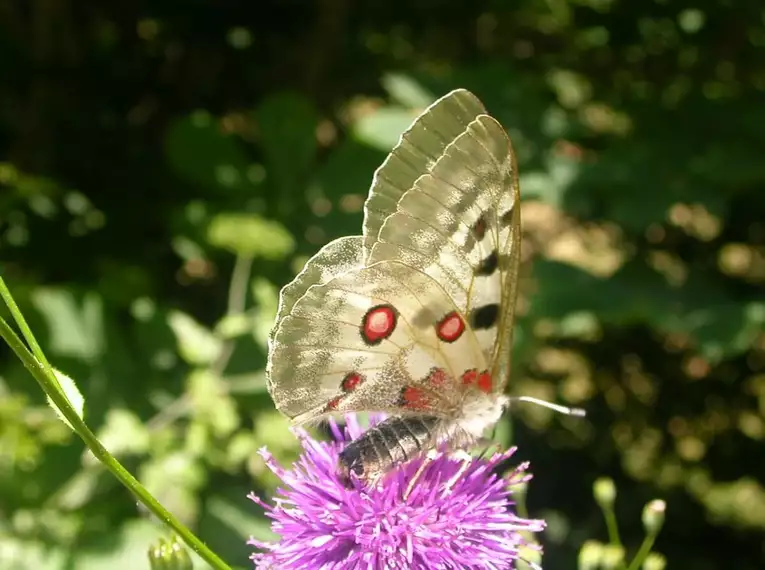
[(325, 526)]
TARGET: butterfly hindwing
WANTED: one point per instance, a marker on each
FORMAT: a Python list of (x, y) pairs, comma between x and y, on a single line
[(370, 339), (335, 258)]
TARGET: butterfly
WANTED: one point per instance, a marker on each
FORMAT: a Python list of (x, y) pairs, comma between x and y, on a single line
[(414, 318)]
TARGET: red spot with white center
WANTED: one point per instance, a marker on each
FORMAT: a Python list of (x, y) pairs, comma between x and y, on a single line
[(482, 380), (378, 324), (437, 377), (333, 403), (351, 382), (451, 327), (413, 398)]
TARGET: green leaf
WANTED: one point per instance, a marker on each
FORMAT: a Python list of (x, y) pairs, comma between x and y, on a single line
[(202, 153), (266, 296), (406, 91), (287, 124), (196, 344), (229, 519), (127, 549), (728, 330), (124, 433), (19, 554), (348, 170), (382, 128), (551, 184), (75, 327), (249, 234), (241, 517), (72, 394), (233, 326)]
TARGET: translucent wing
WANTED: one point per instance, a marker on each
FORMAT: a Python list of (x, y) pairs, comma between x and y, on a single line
[(335, 258), (460, 224), (417, 150), (371, 339), (406, 316)]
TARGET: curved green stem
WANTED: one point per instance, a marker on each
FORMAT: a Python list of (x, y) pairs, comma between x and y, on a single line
[(38, 366), (643, 551)]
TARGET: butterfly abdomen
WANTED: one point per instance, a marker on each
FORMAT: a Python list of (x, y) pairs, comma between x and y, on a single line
[(390, 443)]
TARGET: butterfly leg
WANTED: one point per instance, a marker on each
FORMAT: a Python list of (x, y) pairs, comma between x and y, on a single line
[(466, 458), (430, 456), (487, 444)]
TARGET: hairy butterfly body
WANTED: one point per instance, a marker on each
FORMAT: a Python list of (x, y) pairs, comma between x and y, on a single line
[(414, 317)]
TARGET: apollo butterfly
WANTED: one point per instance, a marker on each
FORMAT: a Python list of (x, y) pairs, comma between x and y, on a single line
[(414, 317)]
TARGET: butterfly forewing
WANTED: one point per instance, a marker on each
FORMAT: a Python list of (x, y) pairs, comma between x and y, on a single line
[(459, 224), (417, 150)]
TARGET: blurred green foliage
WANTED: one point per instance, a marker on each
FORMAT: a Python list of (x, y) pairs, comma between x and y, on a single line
[(166, 167)]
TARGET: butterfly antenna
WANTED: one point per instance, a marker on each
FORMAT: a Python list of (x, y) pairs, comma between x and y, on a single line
[(558, 408)]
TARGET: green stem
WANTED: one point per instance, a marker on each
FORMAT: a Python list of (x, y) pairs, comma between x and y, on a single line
[(42, 372), (612, 526), (27, 332), (645, 550)]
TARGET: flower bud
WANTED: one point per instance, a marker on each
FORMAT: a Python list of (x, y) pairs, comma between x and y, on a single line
[(653, 516), (590, 555), (654, 561), (605, 492), (169, 555), (613, 556)]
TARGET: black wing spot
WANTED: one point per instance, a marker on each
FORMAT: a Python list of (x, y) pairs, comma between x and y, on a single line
[(480, 227), (489, 264), (484, 317), (507, 218)]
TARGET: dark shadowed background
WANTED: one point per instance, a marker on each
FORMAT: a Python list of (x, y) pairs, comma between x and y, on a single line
[(167, 166)]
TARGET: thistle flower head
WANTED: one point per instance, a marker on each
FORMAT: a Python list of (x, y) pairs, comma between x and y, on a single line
[(454, 517)]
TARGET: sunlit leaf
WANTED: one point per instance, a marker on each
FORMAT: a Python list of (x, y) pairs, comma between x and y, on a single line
[(267, 298), (75, 325), (382, 128), (127, 551), (406, 91), (196, 344), (73, 395), (124, 433), (249, 234)]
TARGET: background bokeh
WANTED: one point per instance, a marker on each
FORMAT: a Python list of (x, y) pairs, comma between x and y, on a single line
[(167, 166)]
